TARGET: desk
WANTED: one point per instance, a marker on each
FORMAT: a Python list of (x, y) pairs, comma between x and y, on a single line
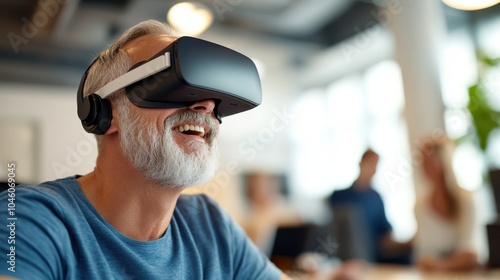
[(394, 272), (388, 272)]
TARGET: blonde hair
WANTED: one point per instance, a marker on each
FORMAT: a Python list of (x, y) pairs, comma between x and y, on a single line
[(443, 149)]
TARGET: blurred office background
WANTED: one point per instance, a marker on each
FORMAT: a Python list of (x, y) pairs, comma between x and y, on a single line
[(337, 77)]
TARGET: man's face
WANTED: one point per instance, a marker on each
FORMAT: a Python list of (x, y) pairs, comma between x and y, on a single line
[(173, 147)]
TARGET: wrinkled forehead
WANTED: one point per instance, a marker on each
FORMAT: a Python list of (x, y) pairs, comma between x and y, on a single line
[(144, 47)]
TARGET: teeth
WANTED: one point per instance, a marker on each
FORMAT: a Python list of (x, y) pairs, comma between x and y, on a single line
[(191, 127)]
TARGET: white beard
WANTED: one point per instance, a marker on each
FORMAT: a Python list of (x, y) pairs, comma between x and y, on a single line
[(161, 159)]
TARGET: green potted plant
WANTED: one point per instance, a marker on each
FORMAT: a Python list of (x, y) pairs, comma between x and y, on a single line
[(485, 120)]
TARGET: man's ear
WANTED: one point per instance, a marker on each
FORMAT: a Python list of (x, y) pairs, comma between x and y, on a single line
[(114, 126)]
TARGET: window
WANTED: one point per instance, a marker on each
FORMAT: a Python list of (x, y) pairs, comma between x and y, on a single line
[(334, 126)]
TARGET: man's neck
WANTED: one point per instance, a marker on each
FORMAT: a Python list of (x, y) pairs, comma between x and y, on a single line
[(362, 185), (137, 207)]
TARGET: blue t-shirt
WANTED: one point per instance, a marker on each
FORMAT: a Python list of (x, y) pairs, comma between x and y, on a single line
[(53, 232), (371, 207)]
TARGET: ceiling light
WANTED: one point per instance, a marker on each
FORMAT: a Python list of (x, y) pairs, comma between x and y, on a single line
[(190, 18), (471, 5)]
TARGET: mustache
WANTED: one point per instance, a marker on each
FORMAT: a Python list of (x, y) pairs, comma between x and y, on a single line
[(188, 116)]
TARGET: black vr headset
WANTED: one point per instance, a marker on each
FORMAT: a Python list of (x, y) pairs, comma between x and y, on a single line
[(186, 71)]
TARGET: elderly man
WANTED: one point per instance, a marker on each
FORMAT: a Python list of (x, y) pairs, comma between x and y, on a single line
[(127, 218)]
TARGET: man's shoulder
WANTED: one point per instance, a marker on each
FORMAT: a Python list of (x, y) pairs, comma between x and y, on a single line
[(48, 188), (374, 192), (195, 200), (219, 239), (345, 190), (197, 204), (341, 193), (52, 193), (201, 210)]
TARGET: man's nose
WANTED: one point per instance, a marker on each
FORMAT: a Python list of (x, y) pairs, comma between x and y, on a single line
[(203, 106)]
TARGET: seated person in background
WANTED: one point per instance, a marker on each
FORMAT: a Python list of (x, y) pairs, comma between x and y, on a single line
[(267, 209), (445, 214), (361, 196)]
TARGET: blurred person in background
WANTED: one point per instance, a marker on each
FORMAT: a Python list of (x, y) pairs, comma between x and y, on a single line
[(368, 206), (268, 209), (445, 214)]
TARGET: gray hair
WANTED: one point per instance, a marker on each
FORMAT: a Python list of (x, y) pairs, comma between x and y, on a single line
[(114, 62)]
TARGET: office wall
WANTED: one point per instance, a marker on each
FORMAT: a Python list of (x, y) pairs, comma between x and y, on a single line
[(47, 116)]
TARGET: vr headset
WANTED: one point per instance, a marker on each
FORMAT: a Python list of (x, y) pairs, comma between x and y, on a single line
[(186, 71)]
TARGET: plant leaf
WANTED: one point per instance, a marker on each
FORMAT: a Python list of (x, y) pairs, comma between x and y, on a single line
[(485, 119)]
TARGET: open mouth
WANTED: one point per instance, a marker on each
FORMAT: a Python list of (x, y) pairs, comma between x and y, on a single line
[(190, 129)]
